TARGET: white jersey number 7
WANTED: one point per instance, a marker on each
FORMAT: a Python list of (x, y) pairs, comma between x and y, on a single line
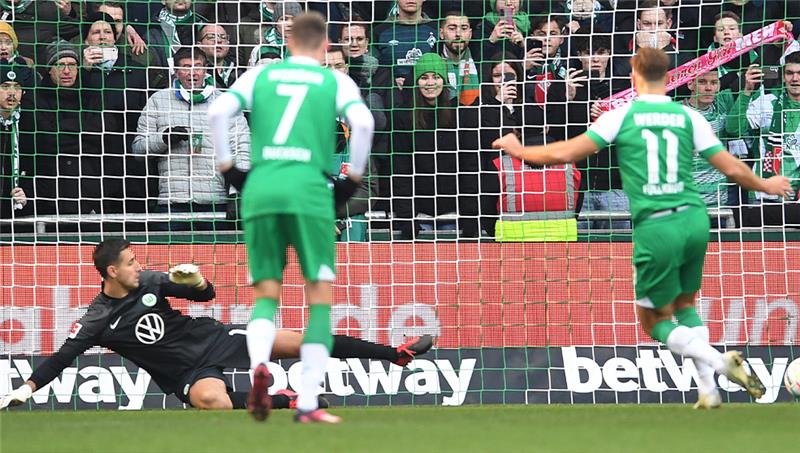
[(296, 95)]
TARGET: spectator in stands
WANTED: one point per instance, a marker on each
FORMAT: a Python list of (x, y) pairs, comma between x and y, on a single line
[(355, 41), (708, 100), (590, 16), (67, 137), (552, 83), (37, 23), (499, 34), (15, 174), (121, 86), (275, 32), (653, 26), (173, 126), (9, 44), (352, 225), (594, 56), (266, 55), (774, 119), (463, 80), (429, 138), (727, 28), (399, 42), (128, 37), (176, 25), (501, 113), (216, 45)]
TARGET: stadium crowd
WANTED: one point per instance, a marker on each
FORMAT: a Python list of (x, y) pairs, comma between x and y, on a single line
[(103, 105)]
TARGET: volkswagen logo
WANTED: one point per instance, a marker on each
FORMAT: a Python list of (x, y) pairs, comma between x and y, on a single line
[(150, 328)]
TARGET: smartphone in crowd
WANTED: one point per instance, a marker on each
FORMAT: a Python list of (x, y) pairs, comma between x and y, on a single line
[(772, 72), (508, 16)]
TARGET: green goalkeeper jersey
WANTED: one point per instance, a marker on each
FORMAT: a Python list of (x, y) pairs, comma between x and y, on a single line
[(294, 106), (656, 140)]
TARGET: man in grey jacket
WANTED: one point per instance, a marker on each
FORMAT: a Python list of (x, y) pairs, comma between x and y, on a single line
[(173, 128)]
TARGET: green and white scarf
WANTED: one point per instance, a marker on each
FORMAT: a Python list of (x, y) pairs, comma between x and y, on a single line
[(169, 25), (6, 7), (266, 13), (12, 122), (195, 97)]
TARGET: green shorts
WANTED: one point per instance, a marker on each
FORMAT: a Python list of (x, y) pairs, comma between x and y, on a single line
[(668, 256), (268, 236)]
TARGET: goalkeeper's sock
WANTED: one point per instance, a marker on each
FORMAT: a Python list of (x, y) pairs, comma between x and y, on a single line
[(261, 331), (238, 399), (684, 341), (314, 353), (345, 347)]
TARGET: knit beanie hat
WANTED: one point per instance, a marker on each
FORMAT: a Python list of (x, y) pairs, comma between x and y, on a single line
[(6, 28), (430, 62), (286, 9), (57, 50)]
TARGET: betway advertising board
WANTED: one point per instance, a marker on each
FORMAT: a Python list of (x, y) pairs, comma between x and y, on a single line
[(514, 322), (444, 377)]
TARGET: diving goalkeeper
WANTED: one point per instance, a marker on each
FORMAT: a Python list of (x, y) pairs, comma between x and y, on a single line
[(185, 356)]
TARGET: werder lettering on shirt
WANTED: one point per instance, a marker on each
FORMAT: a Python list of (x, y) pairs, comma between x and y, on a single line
[(659, 119), (286, 153), (296, 76)]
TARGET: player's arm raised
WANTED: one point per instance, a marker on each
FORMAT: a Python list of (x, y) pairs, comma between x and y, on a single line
[(709, 146), (572, 150), (738, 172), (186, 281)]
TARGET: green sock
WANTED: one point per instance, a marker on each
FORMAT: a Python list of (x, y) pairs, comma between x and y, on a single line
[(661, 331), (319, 326), (264, 308), (688, 317)]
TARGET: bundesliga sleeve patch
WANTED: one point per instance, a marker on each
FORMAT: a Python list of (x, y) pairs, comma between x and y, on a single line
[(73, 331)]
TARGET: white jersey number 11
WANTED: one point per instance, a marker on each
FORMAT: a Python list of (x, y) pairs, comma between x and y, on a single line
[(652, 156)]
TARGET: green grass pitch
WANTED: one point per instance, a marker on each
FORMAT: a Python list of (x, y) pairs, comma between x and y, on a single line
[(558, 428)]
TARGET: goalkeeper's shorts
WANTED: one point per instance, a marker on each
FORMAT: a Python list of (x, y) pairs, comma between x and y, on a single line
[(267, 237), (668, 256)]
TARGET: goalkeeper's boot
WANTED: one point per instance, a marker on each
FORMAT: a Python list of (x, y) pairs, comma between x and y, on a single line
[(736, 373), (708, 400), (291, 398), (416, 346), (316, 416), (259, 403)]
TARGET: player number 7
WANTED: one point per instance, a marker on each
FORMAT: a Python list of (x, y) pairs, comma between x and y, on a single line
[(296, 95)]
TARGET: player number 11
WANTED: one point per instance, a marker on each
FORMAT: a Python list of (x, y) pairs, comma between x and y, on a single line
[(652, 155)]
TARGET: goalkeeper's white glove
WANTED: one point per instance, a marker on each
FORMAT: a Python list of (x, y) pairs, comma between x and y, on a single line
[(186, 274), (16, 397)]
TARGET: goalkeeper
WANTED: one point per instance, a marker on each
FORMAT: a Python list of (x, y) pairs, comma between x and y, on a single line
[(184, 355)]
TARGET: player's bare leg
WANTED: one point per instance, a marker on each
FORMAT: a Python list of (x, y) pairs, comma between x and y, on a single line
[(210, 393), (261, 333), (314, 354)]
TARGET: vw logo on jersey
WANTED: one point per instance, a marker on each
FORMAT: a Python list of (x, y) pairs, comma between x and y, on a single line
[(149, 299), (150, 328)]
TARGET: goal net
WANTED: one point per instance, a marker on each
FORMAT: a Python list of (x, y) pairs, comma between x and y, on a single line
[(522, 273)]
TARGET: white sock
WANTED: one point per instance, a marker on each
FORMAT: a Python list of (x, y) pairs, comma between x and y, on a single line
[(705, 372), (685, 342), (315, 361), (260, 337)]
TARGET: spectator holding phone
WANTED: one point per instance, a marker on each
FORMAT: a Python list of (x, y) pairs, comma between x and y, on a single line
[(773, 119), (504, 29)]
